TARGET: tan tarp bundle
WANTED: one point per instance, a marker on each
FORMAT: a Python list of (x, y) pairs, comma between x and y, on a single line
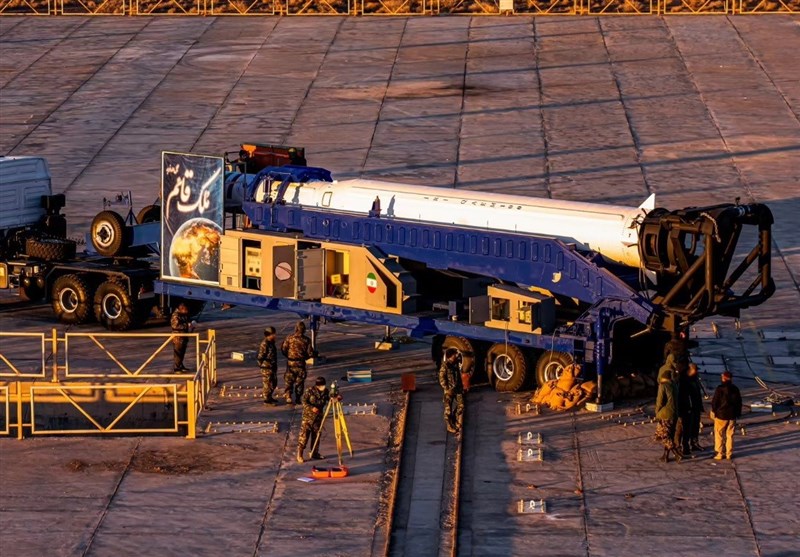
[(565, 392)]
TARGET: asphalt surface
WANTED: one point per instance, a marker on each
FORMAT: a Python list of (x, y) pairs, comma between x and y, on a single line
[(697, 110)]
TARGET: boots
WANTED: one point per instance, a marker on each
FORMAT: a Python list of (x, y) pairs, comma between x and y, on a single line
[(678, 454), (300, 455), (665, 456)]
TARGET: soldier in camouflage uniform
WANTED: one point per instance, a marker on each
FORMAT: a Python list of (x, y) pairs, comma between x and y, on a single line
[(268, 362), (180, 324), (450, 380), (314, 401), (297, 349)]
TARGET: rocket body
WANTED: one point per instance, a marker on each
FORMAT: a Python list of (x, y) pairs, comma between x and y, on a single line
[(610, 230)]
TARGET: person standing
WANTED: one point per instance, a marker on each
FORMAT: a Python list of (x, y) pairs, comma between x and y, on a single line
[(181, 324), (726, 407), (667, 409), (695, 393), (453, 391), (297, 349), (268, 362), (315, 399)]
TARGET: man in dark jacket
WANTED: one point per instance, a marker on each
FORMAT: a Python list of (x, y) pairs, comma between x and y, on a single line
[(268, 362), (180, 324), (297, 349), (695, 394), (726, 407)]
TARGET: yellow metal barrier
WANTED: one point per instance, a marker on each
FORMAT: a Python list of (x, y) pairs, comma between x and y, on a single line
[(58, 394), (395, 7), (92, 7), (692, 7), (24, 7), (769, 7), (242, 7), (318, 7), (5, 404), (106, 408), (168, 7), (13, 353), (392, 7), (553, 7), (162, 347), (621, 7)]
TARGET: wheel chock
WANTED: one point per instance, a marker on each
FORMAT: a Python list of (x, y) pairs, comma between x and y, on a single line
[(334, 472)]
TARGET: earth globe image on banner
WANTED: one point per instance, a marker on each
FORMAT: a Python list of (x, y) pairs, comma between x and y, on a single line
[(194, 251)]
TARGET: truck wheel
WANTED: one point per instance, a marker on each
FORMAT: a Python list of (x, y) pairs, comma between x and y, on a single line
[(465, 351), (151, 213), (551, 365), (50, 249), (113, 306), (71, 299), (506, 367), (109, 234)]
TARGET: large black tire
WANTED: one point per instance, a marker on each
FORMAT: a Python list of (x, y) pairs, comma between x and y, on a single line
[(113, 306), (50, 249), (151, 213), (109, 234), (71, 298), (551, 365), (465, 350), (507, 367)]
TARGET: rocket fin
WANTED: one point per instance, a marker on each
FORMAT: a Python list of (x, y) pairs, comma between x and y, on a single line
[(649, 204)]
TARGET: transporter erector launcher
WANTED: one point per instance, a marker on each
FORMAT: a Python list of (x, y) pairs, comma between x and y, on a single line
[(521, 286)]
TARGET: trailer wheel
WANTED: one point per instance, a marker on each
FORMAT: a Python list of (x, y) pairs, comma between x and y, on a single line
[(71, 299), (151, 213), (50, 249), (113, 306), (551, 365), (109, 234), (465, 350), (507, 367)]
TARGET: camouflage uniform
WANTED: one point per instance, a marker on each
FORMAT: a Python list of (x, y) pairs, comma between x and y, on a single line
[(450, 380), (180, 324), (314, 402), (268, 362), (297, 349)]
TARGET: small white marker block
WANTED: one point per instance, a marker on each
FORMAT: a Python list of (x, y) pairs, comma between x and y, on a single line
[(385, 345), (529, 438), (531, 455), (594, 407), (244, 356), (532, 506), (761, 407)]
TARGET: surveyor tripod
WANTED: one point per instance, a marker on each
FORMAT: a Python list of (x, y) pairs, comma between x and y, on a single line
[(334, 409)]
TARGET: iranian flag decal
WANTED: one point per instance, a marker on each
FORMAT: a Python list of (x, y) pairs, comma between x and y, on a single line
[(372, 283)]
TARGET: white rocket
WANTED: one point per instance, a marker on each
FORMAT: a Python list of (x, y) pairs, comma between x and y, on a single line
[(611, 230)]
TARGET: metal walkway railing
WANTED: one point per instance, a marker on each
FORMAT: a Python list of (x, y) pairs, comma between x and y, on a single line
[(394, 7)]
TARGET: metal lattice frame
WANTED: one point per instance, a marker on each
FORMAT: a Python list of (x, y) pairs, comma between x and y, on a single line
[(168, 7), (768, 7), (318, 7), (621, 7), (553, 7), (395, 7), (242, 7), (24, 7), (11, 370), (692, 7), (90, 7)]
